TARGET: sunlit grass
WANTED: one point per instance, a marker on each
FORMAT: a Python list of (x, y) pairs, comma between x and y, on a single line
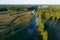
[(24, 19), (57, 15)]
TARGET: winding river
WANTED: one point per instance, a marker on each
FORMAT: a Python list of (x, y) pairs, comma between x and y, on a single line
[(33, 27)]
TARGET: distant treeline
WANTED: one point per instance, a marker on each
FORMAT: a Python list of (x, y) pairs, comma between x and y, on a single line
[(19, 8)]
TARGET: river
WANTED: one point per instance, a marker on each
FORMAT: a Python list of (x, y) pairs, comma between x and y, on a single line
[(33, 27)]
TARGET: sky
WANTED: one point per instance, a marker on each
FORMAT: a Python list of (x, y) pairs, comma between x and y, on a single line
[(30, 2)]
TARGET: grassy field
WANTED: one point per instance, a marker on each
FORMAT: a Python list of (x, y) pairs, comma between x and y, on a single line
[(18, 23)]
